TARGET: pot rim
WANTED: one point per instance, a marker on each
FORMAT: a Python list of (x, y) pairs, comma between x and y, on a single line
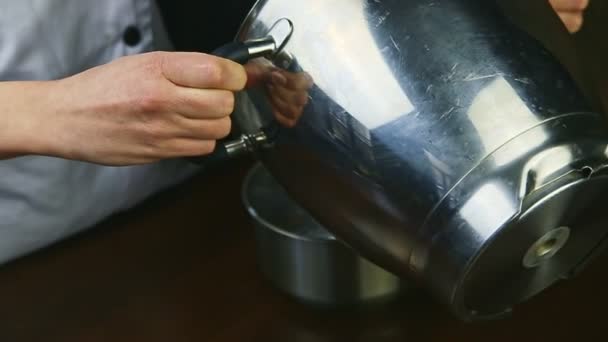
[(331, 239)]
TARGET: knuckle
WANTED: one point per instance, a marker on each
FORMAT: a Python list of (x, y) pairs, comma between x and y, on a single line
[(225, 127), (148, 104), (227, 102), (156, 57), (152, 101), (213, 129), (219, 128), (292, 112), (301, 99), (203, 148), (581, 4), (242, 77), (213, 72), (156, 62), (192, 148), (284, 120), (301, 81)]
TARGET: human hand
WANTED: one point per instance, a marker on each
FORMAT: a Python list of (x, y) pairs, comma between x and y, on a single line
[(571, 12), (143, 108), (287, 91)]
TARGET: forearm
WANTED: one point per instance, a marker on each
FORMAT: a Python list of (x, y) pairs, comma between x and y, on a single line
[(26, 109)]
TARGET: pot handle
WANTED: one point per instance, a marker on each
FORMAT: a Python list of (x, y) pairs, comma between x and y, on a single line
[(240, 52)]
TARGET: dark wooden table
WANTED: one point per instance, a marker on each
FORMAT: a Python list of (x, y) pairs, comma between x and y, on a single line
[(182, 267)]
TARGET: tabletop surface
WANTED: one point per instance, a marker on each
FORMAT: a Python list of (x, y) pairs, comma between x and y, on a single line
[(181, 267)]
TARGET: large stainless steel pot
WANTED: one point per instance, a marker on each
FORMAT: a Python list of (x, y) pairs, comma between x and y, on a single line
[(440, 140)]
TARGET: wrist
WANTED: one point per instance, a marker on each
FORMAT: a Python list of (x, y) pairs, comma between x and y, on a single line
[(26, 111)]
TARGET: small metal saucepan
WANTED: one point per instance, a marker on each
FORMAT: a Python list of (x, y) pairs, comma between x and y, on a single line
[(304, 260)]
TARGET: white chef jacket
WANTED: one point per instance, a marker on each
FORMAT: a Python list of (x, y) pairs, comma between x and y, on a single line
[(45, 199)]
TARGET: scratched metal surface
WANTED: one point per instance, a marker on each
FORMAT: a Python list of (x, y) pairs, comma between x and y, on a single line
[(410, 97)]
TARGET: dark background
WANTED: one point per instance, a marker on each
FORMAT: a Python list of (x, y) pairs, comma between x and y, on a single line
[(592, 46), (189, 22), (181, 267)]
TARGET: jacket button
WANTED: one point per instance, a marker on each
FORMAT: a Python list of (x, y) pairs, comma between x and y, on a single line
[(131, 36)]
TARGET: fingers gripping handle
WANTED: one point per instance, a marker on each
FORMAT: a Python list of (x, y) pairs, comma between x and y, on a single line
[(240, 52), (243, 52)]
